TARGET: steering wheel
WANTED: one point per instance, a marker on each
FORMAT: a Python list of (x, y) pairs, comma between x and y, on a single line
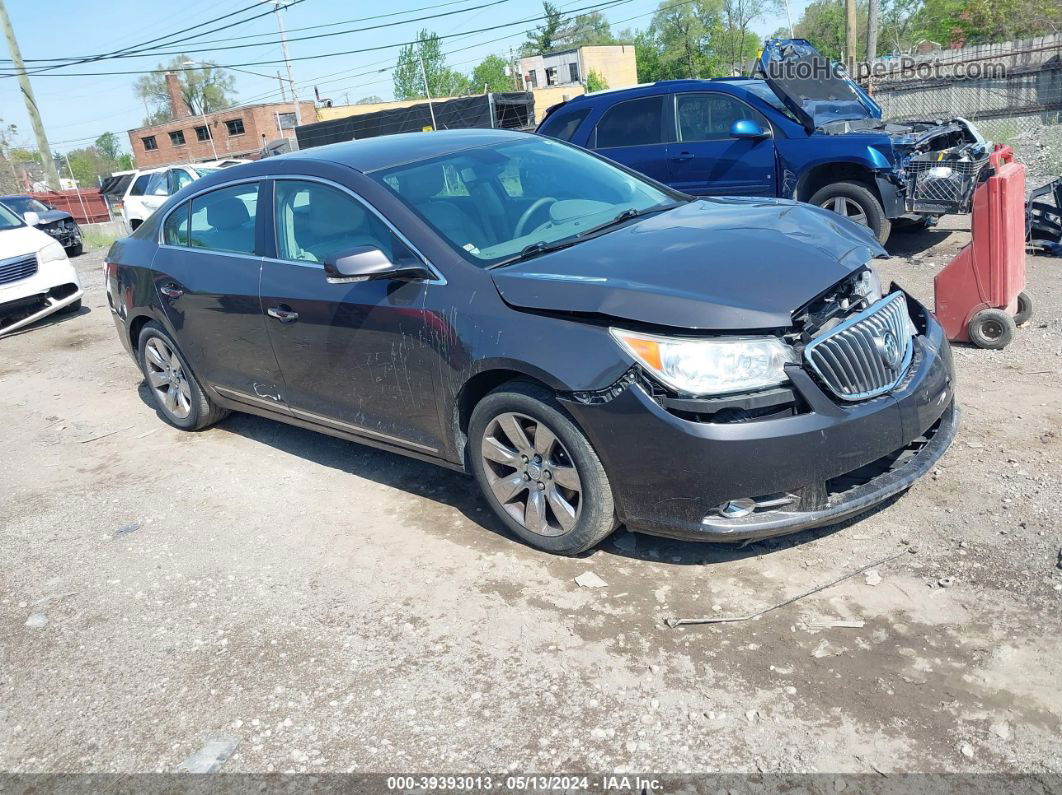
[(536, 205)]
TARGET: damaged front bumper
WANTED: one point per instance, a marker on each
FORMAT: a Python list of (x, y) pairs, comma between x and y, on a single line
[(672, 472)]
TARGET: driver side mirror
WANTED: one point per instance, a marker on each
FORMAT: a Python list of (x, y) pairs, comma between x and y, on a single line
[(748, 130), (31, 218), (362, 263)]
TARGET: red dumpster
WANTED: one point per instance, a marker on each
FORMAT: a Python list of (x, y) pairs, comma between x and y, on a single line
[(979, 294)]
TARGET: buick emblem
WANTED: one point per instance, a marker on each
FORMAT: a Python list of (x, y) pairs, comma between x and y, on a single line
[(889, 350)]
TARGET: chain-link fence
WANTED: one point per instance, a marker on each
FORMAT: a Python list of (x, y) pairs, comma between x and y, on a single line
[(1011, 91)]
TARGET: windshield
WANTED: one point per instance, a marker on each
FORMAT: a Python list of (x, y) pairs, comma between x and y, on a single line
[(8, 220), (493, 202), (25, 204), (763, 91)]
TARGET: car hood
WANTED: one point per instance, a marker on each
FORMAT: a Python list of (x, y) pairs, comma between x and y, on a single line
[(21, 241), (731, 264), (51, 216), (816, 89)]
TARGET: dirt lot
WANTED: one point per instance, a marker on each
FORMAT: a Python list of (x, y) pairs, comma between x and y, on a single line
[(336, 608)]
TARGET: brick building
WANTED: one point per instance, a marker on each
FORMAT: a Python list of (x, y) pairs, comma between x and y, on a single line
[(236, 132)]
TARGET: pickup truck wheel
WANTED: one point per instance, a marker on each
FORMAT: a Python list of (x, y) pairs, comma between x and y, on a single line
[(538, 471), (857, 203)]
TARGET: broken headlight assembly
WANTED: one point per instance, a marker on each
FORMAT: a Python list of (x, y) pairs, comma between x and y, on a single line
[(702, 367), (868, 285)]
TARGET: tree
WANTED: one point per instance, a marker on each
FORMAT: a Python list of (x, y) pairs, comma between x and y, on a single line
[(737, 43), (491, 75), (372, 99), (87, 165), (425, 58), (109, 146), (205, 89), (595, 81), (585, 30), (544, 38), (686, 32), (822, 23)]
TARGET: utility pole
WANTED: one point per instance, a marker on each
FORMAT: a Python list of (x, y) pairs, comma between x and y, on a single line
[(873, 13), (283, 91), (277, 4), (850, 43), (427, 91), (51, 174), (789, 19)]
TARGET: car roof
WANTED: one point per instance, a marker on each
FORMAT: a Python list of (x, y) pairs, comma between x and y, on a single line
[(385, 151), (16, 196), (669, 85)]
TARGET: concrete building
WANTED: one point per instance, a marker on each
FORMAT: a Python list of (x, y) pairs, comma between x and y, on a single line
[(615, 63), (236, 132)]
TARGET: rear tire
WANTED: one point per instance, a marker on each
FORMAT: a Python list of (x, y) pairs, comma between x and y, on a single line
[(542, 478), (857, 203), (991, 329), (174, 389), (1025, 309)]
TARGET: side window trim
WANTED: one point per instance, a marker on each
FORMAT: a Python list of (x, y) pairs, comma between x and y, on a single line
[(666, 136), (677, 135), (187, 205), (438, 277)]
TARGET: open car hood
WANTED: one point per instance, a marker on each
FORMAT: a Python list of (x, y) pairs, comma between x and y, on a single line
[(731, 264), (816, 89)]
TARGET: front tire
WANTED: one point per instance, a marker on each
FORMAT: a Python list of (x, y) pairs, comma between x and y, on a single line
[(857, 203), (538, 471), (174, 388)]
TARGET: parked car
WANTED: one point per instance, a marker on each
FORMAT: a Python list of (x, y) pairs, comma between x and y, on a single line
[(57, 223), (711, 369), (149, 189), (804, 130), (36, 276)]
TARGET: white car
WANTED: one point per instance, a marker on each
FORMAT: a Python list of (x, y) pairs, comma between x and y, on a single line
[(36, 276), (149, 189)]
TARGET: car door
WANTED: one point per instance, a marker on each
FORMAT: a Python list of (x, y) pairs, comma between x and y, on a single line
[(354, 356), (207, 271), (635, 132), (706, 161)]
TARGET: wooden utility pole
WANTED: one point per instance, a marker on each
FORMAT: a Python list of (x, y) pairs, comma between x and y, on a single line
[(850, 43), (51, 174), (873, 14)]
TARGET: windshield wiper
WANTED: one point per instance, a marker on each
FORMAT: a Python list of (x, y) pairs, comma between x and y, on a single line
[(541, 247), (626, 215)]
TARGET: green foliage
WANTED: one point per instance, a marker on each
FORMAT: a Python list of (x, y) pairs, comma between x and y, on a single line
[(822, 23), (544, 38), (205, 89), (595, 82), (109, 146), (736, 42), (409, 75), (86, 166), (586, 30), (490, 75), (688, 32), (369, 100)]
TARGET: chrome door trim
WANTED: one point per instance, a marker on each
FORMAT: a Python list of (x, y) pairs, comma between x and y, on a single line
[(358, 429)]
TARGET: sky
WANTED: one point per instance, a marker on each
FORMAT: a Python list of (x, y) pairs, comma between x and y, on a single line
[(77, 109)]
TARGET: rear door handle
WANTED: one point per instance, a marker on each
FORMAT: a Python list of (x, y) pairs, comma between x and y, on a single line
[(171, 290), (283, 314), (683, 156)]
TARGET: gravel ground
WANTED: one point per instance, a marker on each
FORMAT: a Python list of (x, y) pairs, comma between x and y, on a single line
[(335, 608)]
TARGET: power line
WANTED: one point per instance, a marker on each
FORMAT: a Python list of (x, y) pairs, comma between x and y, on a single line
[(595, 6)]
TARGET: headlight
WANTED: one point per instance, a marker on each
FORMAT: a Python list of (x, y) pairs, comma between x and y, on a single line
[(709, 366), (868, 285), (53, 252)]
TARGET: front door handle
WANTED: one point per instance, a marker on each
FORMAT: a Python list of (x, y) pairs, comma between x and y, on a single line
[(683, 156), (171, 290), (283, 314)]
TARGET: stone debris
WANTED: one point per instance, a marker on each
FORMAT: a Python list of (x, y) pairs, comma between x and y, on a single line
[(211, 756), (873, 578), (126, 529), (1001, 730), (37, 621), (967, 750), (590, 580)]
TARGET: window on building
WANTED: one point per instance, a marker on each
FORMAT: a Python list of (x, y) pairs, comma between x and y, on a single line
[(709, 116), (633, 123), (573, 72), (224, 219), (202, 133), (532, 79), (177, 138), (286, 121), (551, 76), (235, 126), (150, 144)]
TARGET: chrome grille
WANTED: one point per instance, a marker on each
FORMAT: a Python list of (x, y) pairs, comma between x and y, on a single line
[(868, 353), (11, 270)]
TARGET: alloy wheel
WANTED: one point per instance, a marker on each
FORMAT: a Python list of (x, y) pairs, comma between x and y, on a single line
[(850, 209), (167, 378), (531, 474)]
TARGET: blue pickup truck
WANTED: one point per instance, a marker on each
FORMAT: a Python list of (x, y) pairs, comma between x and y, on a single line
[(802, 129)]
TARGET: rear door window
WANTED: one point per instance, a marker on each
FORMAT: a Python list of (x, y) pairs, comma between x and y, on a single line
[(636, 122), (223, 220), (156, 185), (175, 230), (178, 179), (708, 116), (140, 186), (562, 126)]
